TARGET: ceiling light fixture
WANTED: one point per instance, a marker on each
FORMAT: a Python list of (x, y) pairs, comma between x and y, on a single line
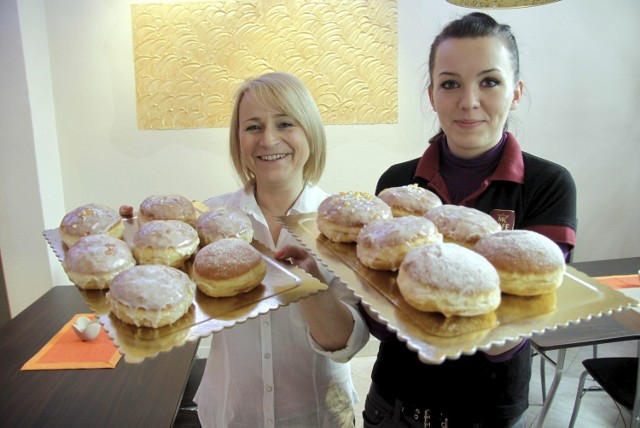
[(499, 4)]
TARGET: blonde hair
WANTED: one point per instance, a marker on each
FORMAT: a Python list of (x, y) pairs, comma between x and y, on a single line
[(288, 94)]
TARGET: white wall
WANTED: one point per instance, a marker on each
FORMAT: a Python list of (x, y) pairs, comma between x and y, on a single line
[(69, 133)]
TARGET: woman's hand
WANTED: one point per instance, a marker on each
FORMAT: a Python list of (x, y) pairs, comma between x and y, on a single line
[(330, 322), (302, 258)]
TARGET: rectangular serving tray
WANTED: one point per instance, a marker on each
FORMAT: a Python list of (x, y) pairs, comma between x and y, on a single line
[(578, 298), (282, 285)]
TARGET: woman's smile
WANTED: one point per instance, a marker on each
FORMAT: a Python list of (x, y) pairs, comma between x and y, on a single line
[(273, 145), (468, 123), (273, 157)]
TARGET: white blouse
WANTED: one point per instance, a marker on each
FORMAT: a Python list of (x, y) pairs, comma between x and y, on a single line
[(268, 371)]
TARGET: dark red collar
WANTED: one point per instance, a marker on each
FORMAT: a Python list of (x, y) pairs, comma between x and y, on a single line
[(510, 167)]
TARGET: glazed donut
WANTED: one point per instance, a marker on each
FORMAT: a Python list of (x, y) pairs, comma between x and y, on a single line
[(94, 260), (223, 222), (90, 219), (228, 267), (342, 215), (150, 295), (165, 242), (449, 279), (382, 244), (167, 207), (529, 264), (409, 200), (462, 225)]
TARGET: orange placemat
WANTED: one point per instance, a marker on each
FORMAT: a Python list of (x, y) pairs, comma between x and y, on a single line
[(66, 350), (620, 281)]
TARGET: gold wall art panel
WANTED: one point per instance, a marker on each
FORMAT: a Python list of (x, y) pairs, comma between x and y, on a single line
[(189, 58)]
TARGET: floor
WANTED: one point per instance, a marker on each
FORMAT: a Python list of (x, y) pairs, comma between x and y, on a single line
[(597, 409)]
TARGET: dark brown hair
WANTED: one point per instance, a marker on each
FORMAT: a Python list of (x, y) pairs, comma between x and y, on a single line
[(475, 25)]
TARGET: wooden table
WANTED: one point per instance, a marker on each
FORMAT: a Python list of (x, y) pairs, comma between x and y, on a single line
[(620, 326), (130, 395)]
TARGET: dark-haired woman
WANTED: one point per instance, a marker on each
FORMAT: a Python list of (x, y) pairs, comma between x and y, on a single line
[(474, 83)]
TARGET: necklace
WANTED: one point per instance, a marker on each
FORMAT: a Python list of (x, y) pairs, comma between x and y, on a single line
[(264, 211), (269, 214)]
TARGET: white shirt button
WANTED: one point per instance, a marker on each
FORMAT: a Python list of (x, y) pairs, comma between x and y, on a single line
[(269, 389), (267, 355)]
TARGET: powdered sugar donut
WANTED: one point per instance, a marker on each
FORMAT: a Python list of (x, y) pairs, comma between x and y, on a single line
[(228, 267), (462, 225), (529, 264), (382, 244), (342, 215), (409, 200), (449, 279)]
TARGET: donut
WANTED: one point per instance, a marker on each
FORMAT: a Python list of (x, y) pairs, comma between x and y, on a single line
[(90, 219), (409, 200), (167, 207), (382, 244), (449, 279), (341, 216), (462, 225), (94, 260), (165, 242), (228, 267), (223, 222), (150, 295), (529, 264)]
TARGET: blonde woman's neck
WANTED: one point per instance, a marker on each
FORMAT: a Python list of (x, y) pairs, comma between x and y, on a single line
[(277, 200)]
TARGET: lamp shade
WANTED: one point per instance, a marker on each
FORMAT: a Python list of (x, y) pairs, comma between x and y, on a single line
[(499, 4)]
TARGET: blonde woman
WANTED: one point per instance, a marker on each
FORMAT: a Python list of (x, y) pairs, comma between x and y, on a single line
[(289, 367)]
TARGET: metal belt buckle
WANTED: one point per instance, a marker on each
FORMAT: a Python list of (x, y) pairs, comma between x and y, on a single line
[(427, 419)]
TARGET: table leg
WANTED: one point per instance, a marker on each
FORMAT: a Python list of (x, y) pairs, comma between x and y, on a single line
[(543, 377), (554, 387)]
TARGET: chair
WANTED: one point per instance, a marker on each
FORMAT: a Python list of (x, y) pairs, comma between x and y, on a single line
[(620, 326), (545, 358), (618, 377)]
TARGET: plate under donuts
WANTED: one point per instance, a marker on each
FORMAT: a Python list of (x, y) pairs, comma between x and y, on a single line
[(282, 285), (578, 298)]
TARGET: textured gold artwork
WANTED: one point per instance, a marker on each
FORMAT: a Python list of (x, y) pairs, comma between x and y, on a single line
[(190, 57)]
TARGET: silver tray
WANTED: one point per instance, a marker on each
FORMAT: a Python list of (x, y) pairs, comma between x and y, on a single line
[(282, 285)]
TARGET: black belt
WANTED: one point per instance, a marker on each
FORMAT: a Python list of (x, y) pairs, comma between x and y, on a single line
[(432, 418), (428, 417)]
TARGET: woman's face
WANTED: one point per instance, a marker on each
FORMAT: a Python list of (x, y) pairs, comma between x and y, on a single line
[(472, 92), (272, 145)]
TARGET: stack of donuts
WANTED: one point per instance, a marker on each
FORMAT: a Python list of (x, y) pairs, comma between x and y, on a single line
[(148, 281), (449, 259)]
